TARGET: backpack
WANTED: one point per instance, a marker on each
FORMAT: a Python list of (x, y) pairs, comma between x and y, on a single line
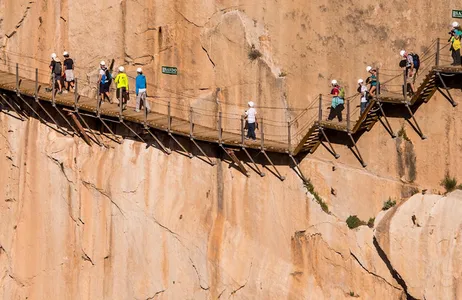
[(416, 60), (58, 69), (341, 93), (108, 76)]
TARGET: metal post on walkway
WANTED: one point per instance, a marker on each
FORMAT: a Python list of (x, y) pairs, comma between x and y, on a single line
[(405, 85), (169, 118), (437, 57), (121, 105), (17, 79), (98, 100), (320, 108), (289, 139), (53, 91), (377, 88), (242, 130), (76, 95), (191, 125), (220, 128), (36, 86), (262, 135), (145, 112), (348, 115)]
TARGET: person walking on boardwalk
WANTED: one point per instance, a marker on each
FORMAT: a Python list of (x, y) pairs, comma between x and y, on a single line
[(337, 107), (409, 69), (455, 48), (58, 71), (122, 87), (141, 91), (362, 90), (68, 71), (372, 80), (250, 116), (104, 80), (52, 71)]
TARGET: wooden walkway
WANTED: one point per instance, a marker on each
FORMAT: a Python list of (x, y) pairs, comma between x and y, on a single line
[(154, 120)]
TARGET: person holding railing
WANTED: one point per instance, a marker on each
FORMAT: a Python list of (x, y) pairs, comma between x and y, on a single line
[(372, 80), (455, 44), (122, 87), (52, 69), (250, 116), (362, 90), (104, 81), (141, 91), (68, 71), (337, 101), (409, 69)]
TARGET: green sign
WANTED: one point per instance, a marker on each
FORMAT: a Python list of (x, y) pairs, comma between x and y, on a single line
[(169, 70), (457, 14)]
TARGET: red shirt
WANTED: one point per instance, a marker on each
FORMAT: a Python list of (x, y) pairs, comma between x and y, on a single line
[(335, 91)]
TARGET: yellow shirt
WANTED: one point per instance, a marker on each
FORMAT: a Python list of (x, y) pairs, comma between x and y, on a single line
[(121, 80), (455, 44)]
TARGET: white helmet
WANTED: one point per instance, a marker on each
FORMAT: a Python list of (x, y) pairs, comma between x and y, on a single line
[(455, 24), (139, 70), (402, 52), (53, 55), (369, 68), (121, 69), (334, 82), (66, 53), (250, 103), (102, 63), (360, 81)]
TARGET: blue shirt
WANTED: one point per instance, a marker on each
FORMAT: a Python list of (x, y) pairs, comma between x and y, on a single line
[(140, 82)]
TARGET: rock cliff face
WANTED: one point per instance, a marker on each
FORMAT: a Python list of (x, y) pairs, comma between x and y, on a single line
[(126, 221)]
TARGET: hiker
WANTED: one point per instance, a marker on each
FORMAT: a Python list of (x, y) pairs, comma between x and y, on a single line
[(362, 90), (372, 80), (250, 116), (337, 107), (455, 49), (52, 67), (141, 91), (409, 69), (68, 71), (104, 79), (456, 29), (122, 87), (57, 72)]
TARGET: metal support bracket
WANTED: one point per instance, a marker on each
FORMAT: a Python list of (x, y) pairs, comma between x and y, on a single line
[(12, 107), (133, 131), (330, 148), (255, 166), (356, 151), (235, 160), (186, 152), (162, 146), (114, 138), (278, 175), (297, 169), (88, 128), (385, 124), (207, 158), (448, 96), (414, 124)]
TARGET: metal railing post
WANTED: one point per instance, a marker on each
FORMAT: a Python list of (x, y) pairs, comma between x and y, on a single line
[(377, 88), (320, 108), (76, 95), (348, 116), (53, 96), (437, 57), (289, 139), (98, 99), (17, 79), (121, 105), (191, 125), (220, 129), (405, 85), (145, 112), (169, 118), (36, 84), (242, 130), (262, 135)]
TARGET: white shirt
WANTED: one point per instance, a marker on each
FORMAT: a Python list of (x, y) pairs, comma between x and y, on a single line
[(250, 113), (363, 93)]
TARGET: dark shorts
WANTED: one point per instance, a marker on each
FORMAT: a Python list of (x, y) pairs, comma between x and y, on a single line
[(103, 88), (58, 77), (124, 92)]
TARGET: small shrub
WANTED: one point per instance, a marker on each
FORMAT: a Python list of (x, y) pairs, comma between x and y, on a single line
[(449, 183), (354, 222), (414, 190), (254, 53), (402, 134), (371, 222), (310, 187), (282, 74), (388, 204), (352, 294)]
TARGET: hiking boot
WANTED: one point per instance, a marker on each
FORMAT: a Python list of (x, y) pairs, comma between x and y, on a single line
[(137, 110), (60, 92), (48, 90), (65, 92)]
